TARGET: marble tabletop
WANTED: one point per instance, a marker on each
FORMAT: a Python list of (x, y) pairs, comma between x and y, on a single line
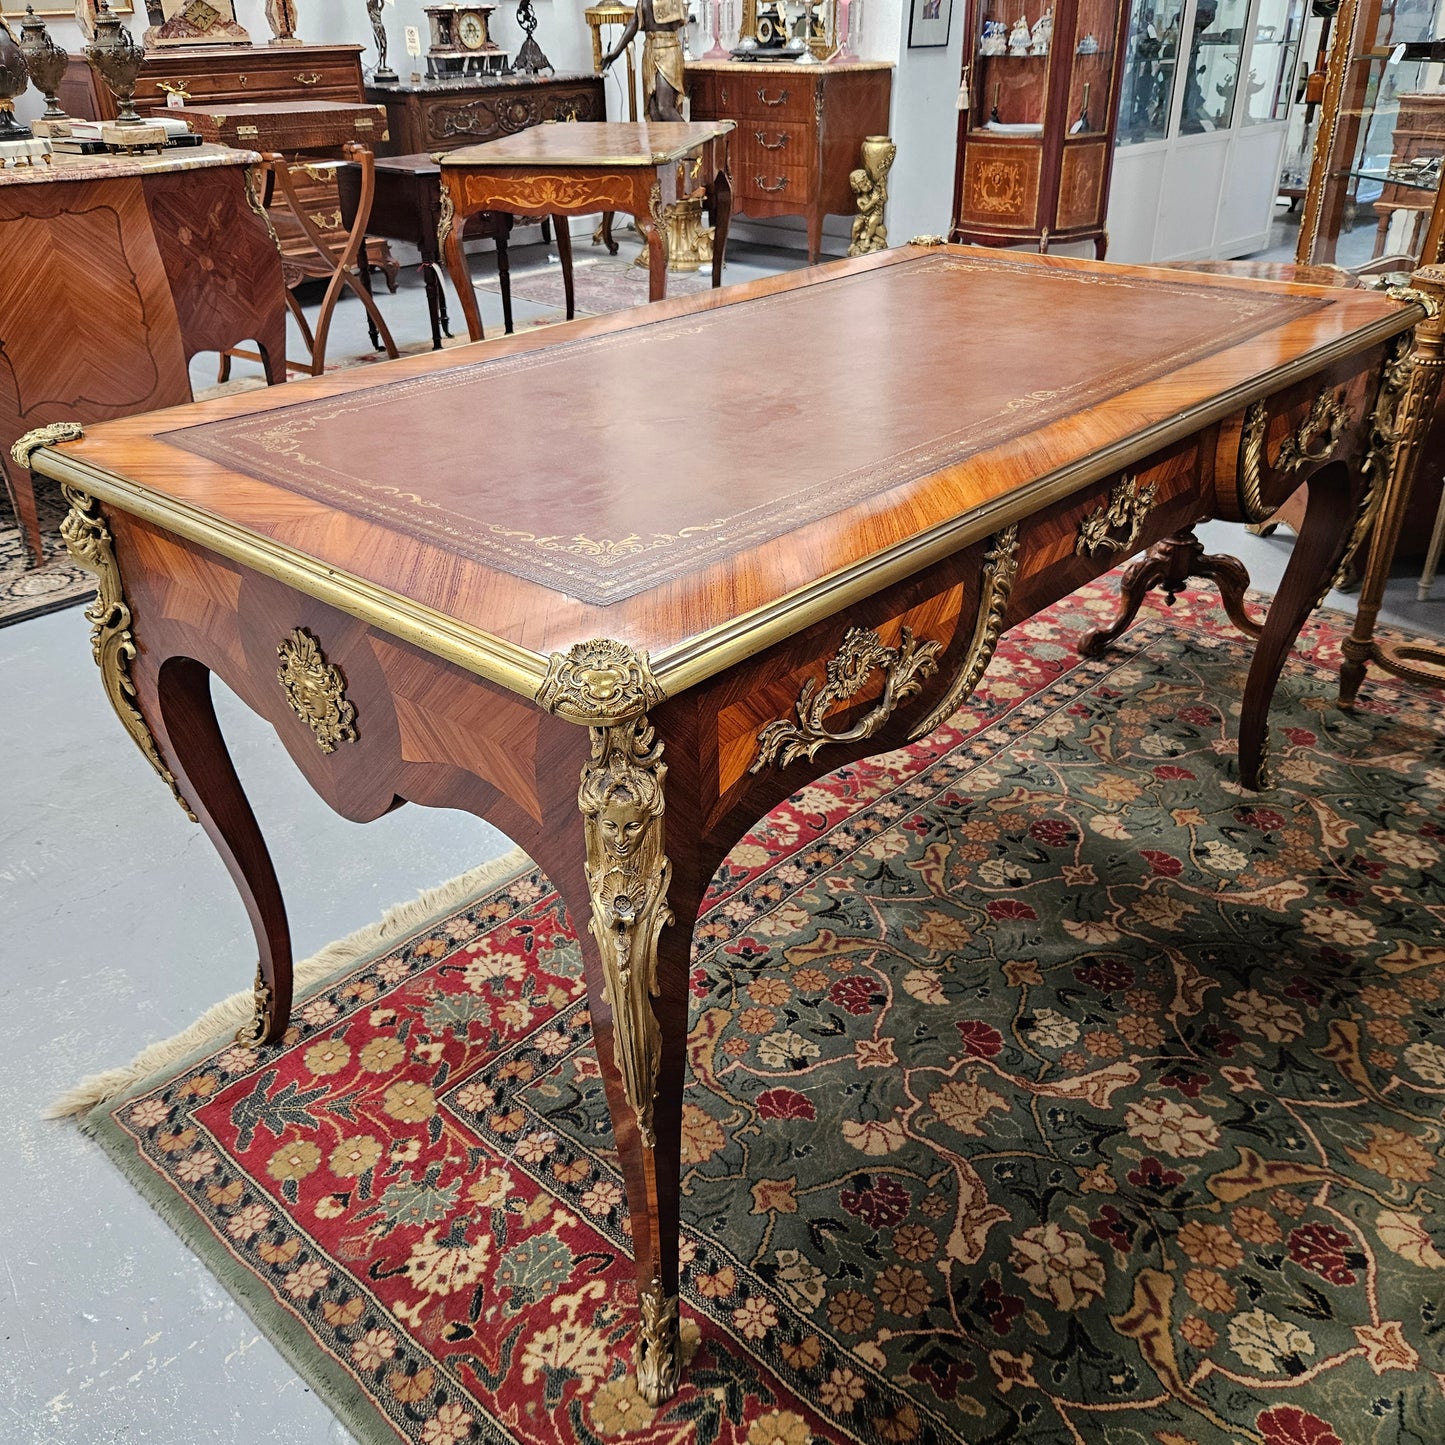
[(67, 167)]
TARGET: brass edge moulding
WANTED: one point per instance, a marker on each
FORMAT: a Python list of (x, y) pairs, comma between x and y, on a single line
[(680, 666), (315, 690), (685, 664), (518, 669), (862, 652)]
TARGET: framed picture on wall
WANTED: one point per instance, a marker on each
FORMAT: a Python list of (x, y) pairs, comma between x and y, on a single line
[(928, 23)]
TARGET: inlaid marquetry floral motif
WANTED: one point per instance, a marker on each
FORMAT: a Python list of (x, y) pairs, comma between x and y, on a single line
[(998, 188), (315, 690)]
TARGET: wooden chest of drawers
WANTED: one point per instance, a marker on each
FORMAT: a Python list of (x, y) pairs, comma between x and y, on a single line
[(223, 75), (799, 132), (440, 115)]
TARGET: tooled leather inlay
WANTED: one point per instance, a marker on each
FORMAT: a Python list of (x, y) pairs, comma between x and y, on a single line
[(606, 466)]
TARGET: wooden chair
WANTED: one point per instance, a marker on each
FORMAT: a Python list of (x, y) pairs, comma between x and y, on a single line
[(316, 245)]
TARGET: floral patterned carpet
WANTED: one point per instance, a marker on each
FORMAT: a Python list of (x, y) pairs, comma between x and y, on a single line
[(1046, 1086), (27, 591)]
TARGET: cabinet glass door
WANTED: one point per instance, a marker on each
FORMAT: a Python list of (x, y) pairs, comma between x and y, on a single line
[(1272, 60), (1090, 102), (1211, 78), (1151, 68)]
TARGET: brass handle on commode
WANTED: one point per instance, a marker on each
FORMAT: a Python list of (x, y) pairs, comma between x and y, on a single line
[(776, 145), (762, 185), (310, 77), (781, 100)]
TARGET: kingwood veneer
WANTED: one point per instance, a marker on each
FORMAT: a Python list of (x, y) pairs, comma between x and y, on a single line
[(114, 272), (779, 591)]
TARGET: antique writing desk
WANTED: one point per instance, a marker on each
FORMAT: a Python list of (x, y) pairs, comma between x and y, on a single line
[(577, 167), (625, 647)]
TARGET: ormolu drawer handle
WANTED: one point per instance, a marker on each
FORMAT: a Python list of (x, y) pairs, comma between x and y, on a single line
[(763, 96), (177, 87), (309, 77), (776, 145), (762, 185)]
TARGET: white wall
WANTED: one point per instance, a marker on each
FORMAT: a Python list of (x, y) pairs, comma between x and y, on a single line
[(925, 85)]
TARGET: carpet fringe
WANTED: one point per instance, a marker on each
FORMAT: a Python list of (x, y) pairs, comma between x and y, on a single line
[(231, 1013)]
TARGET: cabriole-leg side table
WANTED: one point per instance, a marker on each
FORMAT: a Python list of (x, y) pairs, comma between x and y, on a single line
[(578, 168)]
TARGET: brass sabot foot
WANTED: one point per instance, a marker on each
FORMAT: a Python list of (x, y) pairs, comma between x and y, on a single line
[(659, 1346), (262, 1002)]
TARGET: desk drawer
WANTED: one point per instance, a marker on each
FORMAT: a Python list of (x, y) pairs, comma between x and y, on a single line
[(776, 100), (320, 80), (1107, 522), (1276, 444)]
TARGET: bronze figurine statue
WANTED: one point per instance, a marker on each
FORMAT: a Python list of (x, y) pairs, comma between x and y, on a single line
[(663, 83), (383, 74)]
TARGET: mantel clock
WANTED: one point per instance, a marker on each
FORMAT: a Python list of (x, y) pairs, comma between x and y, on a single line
[(461, 41)]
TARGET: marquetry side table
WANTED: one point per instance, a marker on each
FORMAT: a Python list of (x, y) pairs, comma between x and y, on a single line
[(579, 168), (407, 206)]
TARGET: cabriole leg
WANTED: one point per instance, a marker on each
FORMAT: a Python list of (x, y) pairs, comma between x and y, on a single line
[(183, 693)]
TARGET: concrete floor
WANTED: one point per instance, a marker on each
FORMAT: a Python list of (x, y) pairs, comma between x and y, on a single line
[(122, 927)]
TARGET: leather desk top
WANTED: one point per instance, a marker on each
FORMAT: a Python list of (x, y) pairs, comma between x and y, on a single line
[(661, 474), (591, 143)]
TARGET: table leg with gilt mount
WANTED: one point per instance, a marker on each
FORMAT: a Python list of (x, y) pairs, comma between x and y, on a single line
[(1362, 481), (1403, 434)]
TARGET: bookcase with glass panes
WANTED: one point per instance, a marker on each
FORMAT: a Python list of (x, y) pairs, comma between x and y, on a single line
[(1204, 101), (1375, 180), (1036, 135)]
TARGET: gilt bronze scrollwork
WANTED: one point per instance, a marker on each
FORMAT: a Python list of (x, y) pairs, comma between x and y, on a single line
[(598, 683), (905, 669), (315, 690), (1127, 507), (1000, 568), (621, 800), (1312, 443), (659, 1351), (112, 642)]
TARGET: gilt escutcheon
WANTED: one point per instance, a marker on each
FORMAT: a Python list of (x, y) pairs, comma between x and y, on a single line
[(1126, 508), (316, 690), (862, 653)]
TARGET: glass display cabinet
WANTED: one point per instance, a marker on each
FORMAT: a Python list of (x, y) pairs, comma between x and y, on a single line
[(1036, 134), (1375, 177), (1205, 99)]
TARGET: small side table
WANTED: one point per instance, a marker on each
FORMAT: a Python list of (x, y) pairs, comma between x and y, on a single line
[(581, 167), (407, 207)]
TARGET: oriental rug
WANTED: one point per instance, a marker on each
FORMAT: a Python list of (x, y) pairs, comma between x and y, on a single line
[(1045, 1085), (600, 284), (28, 591)]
